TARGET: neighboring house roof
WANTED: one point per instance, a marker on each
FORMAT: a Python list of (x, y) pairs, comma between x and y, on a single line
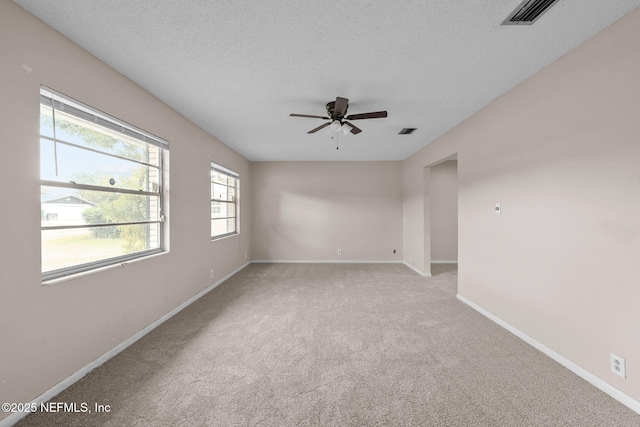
[(70, 200)]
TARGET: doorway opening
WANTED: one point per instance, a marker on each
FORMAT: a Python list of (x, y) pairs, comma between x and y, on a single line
[(441, 217)]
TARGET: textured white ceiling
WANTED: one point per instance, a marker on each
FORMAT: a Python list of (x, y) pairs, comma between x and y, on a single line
[(238, 68)]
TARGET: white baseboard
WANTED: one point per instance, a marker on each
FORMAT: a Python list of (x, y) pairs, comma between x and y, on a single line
[(69, 381), (324, 261), (422, 273), (626, 400), (356, 261), (444, 261)]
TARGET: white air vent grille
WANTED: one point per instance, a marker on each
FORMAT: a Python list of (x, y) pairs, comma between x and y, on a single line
[(528, 12)]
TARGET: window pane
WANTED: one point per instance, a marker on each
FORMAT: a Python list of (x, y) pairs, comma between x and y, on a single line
[(230, 209), (222, 192), (219, 178), (82, 132), (87, 167), (65, 206), (223, 209), (222, 226), (47, 160), (72, 247), (46, 121), (216, 209)]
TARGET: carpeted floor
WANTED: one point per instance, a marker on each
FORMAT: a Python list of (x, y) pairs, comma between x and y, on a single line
[(335, 345)]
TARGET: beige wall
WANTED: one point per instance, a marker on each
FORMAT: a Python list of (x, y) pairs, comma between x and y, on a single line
[(309, 210), (444, 211), (49, 332), (561, 153)]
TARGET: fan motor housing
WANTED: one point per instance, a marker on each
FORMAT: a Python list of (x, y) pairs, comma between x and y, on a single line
[(331, 106)]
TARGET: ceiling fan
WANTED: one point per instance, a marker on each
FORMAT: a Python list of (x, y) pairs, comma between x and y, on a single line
[(336, 111)]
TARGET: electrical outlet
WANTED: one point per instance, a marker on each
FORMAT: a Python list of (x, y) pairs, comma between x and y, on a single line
[(618, 366), (498, 208), (339, 251), (211, 273), (394, 251), (245, 254)]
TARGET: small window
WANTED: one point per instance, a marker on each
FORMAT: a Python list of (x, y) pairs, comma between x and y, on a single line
[(225, 186), (100, 188)]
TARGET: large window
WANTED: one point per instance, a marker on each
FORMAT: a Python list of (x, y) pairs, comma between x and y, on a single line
[(101, 188), (224, 201)]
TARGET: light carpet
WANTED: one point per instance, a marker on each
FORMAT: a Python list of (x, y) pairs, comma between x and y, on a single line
[(335, 345)]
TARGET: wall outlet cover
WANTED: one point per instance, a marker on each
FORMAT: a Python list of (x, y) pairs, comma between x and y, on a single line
[(618, 366)]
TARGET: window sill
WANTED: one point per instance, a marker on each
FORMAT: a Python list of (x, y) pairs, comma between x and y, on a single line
[(81, 274), (226, 236)]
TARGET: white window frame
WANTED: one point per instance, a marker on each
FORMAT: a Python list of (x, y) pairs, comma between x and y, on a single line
[(234, 175), (59, 102)]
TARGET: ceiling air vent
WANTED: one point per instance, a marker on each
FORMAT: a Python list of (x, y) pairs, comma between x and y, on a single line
[(528, 12), (407, 131)]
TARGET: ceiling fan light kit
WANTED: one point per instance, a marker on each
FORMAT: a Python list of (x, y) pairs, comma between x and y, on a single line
[(336, 111)]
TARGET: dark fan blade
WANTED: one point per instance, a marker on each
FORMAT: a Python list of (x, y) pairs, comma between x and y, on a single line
[(354, 130), (376, 115), (340, 108), (306, 115), (319, 127)]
